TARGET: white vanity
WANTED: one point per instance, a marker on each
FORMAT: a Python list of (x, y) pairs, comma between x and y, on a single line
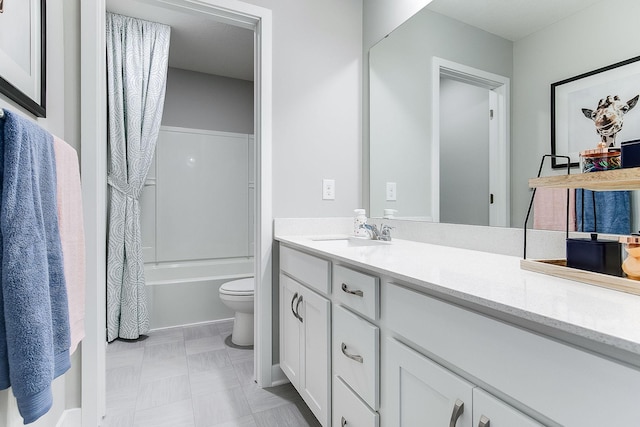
[(414, 334)]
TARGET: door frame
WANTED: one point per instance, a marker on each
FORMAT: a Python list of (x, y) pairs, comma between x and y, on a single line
[(93, 129), (499, 151)]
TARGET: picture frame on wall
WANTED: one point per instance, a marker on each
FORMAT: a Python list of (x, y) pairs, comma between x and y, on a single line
[(23, 53), (571, 130)]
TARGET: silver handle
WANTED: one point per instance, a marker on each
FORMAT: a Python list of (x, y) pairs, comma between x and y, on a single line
[(356, 293), (355, 357), (458, 409), (343, 422), (484, 422), (295, 296), (298, 309)]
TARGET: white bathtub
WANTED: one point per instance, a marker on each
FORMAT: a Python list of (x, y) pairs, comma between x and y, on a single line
[(187, 292)]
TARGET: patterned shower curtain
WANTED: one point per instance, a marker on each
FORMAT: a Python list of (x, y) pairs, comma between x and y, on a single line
[(137, 58)]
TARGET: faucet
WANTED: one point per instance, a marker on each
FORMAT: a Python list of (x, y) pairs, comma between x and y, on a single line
[(383, 234)]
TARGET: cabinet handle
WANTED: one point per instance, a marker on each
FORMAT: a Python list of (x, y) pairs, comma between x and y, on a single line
[(458, 409), (298, 309), (356, 293), (355, 357), (343, 422), (293, 300), (484, 422)]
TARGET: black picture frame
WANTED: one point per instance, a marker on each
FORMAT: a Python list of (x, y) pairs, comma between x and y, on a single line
[(35, 105), (620, 72)]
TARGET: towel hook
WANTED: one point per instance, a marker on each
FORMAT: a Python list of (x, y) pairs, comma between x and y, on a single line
[(1, 6), (1, 110)]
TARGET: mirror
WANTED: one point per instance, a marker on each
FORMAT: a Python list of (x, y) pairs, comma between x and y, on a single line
[(503, 56)]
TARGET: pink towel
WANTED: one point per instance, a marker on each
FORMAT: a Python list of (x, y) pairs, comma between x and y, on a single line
[(550, 209), (71, 224)]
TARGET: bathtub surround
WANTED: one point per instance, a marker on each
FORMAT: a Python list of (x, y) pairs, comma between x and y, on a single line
[(137, 59)]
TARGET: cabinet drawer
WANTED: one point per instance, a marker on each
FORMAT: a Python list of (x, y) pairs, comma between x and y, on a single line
[(349, 410), (497, 413), (356, 345), (552, 378), (307, 269), (356, 290)]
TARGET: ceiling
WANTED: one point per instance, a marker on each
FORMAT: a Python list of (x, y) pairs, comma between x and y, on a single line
[(197, 43), (207, 46), (509, 19)]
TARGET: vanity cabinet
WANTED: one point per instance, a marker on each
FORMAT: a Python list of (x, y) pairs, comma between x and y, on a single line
[(368, 348), (421, 392), (305, 330)]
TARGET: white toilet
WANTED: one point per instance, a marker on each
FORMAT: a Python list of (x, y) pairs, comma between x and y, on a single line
[(238, 296)]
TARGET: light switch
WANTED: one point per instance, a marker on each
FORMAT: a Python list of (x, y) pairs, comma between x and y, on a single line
[(328, 189), (391, 191)]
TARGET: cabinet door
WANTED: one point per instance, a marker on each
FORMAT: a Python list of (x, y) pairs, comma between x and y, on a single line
[(491, 412), (315, 323), (423, 393), (290, 330)]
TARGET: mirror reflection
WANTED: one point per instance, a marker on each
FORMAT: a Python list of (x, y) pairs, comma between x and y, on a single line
[(459, 102)]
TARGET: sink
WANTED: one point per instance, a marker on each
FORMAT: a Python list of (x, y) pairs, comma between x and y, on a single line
[(345, 242)]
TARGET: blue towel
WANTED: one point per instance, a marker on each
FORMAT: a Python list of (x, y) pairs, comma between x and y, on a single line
[(34, 320), (613, 211)]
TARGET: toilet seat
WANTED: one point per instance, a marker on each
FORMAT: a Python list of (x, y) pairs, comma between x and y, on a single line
[(238, 287)]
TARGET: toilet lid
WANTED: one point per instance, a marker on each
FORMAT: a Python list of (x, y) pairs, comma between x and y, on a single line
[(238, 287)]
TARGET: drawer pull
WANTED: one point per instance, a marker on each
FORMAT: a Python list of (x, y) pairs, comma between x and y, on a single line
[(343, 422), (293, 300), (484, 422), (356, 293), (458, 409), (355, 357), (298, 309)]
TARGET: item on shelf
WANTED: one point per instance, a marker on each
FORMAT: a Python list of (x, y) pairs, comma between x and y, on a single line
[(593, 254), (599, 159), (630, 153), (631, 265)]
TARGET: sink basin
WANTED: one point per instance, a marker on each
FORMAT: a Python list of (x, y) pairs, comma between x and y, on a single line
[(344, 242)]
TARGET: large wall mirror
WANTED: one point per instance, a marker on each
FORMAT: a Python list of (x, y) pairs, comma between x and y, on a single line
[(460, 101)]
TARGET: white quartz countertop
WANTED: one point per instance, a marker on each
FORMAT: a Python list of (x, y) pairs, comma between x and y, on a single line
[(497, 283)]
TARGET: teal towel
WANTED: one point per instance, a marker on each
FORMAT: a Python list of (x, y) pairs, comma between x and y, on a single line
[(34, 320)]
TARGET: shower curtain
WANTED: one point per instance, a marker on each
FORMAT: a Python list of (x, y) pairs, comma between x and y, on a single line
[(137, 58)]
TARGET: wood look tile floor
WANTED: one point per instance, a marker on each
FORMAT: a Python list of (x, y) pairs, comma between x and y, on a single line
[(194, 377)]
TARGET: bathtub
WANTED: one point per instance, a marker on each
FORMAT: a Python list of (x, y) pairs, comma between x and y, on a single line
[(186, 293)]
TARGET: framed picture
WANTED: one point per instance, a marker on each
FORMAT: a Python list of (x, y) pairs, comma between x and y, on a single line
[(23, 53), (571, 130)]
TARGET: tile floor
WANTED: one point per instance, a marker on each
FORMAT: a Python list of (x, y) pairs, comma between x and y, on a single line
[(194, 377)]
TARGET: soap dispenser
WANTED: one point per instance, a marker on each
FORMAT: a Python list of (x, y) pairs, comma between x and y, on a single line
[(359, 221)]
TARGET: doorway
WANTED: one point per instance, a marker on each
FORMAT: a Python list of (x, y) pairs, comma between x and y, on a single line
[(94, 167), (470, 145)]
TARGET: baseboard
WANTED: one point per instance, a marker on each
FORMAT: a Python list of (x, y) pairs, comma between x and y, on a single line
[(277, 376), (70, 418)]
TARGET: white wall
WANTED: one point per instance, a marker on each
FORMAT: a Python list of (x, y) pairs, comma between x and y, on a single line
[(62, 120), (204, 101), (317, 105), (383, 16), (573, 46)]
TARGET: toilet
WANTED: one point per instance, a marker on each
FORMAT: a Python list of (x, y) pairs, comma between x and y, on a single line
[(238, 296)]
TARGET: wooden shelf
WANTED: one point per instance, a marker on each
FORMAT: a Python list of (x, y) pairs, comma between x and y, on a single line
[(617, 179), (558, 268)]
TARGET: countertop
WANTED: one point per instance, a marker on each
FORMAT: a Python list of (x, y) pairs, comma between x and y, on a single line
[(607, 318)]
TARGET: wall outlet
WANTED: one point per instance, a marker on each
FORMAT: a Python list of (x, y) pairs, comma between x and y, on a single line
[(391, 191), (328, 189)]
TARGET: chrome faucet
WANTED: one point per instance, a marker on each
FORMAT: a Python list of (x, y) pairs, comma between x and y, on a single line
[(383, 234)]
